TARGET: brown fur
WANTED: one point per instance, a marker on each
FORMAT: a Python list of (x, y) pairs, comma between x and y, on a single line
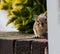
[(40, 26)]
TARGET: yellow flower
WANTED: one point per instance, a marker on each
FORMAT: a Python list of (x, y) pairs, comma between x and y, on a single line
[(9, 12), (16, 2), (8, 1), (13, 6), (25, 22), (19, 2), (17, 25), (17, 8), (3, 5), (25, 1)]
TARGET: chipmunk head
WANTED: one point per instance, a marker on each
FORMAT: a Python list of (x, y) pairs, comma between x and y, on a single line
[(41, 20)]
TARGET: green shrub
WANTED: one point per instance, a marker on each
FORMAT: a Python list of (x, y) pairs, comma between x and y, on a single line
[(21, 12)]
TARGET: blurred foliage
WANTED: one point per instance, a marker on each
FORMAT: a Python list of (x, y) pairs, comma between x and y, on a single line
[(21, 12)]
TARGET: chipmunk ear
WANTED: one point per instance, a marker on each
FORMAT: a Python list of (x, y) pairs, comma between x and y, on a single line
[(45, 14), (36, 17)]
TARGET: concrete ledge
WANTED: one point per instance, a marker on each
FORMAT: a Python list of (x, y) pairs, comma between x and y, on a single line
[(14, 35), (21, 44)]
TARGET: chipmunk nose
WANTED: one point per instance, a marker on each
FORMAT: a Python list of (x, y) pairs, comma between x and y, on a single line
[(42, 24)]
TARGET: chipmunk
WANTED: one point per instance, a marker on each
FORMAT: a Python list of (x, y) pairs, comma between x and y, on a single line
[(40, 25)]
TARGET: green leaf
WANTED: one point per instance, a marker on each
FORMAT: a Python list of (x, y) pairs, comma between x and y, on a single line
[(21, 12), (12, 19)]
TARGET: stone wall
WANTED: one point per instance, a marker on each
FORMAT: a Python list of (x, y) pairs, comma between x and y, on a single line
[(21, 43), (23, 46)]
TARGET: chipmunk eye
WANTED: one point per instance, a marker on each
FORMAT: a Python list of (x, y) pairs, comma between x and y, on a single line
[(45, 19)]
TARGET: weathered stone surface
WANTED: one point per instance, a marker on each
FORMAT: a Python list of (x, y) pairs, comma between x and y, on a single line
[(21, 34), (6, 46), (14, 35), (13, 45), (38, 47), (23, 47)]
